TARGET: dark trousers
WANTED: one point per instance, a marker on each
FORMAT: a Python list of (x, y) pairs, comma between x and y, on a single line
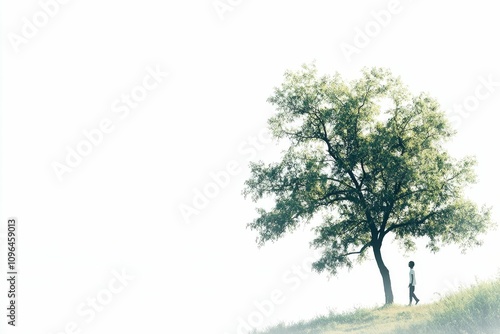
[(412, 294)]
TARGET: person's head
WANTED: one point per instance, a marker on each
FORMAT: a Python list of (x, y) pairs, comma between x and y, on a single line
[(411, 264)]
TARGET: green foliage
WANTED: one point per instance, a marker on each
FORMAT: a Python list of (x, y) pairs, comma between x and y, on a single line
[(368, 157)]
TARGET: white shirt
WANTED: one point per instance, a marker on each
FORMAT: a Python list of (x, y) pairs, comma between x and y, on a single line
[(412, 272)]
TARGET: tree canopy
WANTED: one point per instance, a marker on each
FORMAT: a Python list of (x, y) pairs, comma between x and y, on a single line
[(368, 157)]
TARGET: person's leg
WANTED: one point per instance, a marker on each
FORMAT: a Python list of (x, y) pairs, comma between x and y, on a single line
[(413, 296), (410, 288)]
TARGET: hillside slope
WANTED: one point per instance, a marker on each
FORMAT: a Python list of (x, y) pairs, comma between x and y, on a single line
[(471, 310)]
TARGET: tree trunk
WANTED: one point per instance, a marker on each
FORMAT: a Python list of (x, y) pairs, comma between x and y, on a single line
[(386, 278)]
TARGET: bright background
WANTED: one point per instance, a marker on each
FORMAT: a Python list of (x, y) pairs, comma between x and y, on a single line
[(120, 208)]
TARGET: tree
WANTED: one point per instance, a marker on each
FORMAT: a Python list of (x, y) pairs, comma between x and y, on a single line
[(368, 157)]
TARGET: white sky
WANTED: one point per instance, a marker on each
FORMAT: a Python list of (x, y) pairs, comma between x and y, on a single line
[(119, 208)]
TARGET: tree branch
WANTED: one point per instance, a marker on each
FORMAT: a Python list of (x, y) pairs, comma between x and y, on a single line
[(365, 246), (410, 222)]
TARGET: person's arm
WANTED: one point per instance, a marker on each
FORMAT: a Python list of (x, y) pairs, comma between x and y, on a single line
[(411, 280)]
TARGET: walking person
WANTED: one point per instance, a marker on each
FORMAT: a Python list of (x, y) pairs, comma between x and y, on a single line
[(412, 284)]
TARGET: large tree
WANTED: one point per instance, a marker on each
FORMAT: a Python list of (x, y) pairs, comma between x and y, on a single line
[(367, 156)]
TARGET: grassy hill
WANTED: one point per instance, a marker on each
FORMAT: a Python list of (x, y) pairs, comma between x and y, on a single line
[(471, 310)]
